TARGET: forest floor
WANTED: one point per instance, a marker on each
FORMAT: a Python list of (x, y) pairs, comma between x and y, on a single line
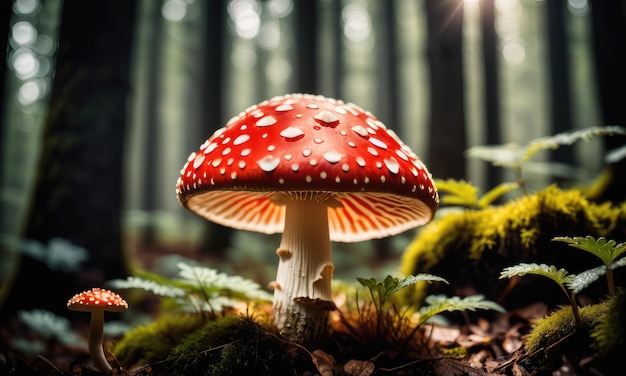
[(469, 343)]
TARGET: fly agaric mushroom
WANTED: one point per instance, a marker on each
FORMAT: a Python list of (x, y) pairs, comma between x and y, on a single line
[(316, 169), (97, 301)]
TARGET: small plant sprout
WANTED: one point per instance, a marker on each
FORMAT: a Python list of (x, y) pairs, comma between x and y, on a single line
[(608, 251), (379, 319), (199, 289), (560, 276)]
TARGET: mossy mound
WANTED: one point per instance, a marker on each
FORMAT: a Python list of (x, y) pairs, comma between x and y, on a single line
[(192, 345), (470, 248)]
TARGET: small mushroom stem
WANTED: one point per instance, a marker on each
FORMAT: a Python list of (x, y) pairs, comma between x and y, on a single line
[(302, 294), (96, 339)]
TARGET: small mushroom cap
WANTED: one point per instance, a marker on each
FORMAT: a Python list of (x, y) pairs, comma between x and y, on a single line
[(89, 300), (307, 146)]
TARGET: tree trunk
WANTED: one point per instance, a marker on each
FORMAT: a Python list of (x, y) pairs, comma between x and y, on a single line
[(447, 109), (492, 99), (609, 39), (306, 13), (78, 190), (561, 112)]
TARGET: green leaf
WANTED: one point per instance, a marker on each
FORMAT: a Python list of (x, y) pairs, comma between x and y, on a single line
[(560, 276), (580, 281), (440, 303), (507, 155), (413, 279), (606, 250), (155, 287), (568, 138)]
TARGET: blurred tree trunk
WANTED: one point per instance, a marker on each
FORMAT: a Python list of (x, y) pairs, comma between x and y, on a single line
[(447, 136), (6, 9), (560, 108), (306, 15), (217, 238), (609, 39), (492, 90), (152, 136), (78, 191)]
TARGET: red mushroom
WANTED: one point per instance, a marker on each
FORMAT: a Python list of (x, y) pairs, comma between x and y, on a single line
[(316, 169), (97, 301)]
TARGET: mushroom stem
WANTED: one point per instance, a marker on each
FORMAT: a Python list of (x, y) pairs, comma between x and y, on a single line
[(96, 339), (302, 294)]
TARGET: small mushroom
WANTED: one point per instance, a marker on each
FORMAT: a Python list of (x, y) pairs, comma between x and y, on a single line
[(316, 169), (97, 301)]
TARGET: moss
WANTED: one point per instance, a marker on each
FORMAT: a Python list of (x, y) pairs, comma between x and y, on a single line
[(473, 246), (153, 342), (232, 346), (560, 324), (610, 334)]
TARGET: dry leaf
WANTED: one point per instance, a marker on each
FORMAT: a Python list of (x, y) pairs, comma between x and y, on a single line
[(358, 368), (324, 362)]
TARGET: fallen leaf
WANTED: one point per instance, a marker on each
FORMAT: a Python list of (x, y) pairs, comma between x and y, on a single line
[(358, 368), (324, 362)]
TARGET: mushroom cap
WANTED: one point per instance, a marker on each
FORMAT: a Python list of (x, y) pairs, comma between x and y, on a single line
[(103, 299), (305, 145)]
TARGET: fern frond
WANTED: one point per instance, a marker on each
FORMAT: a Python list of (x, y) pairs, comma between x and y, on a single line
[(581, 280), (560, 276), (413, 279), (606, 250), (155, 287), (507, 155), (440, 303), (568, 138)]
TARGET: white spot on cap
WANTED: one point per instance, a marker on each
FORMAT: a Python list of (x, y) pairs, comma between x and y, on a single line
[(360, 130), (226, 151), (326, 117), (360, 161), (402, 155), (212, 146), (372, 151), (266, 121), (241, 164), (340, 110), (306, 152), (308, 179), (268, 163), (241, 139), (295, 167), (284, 107), (393, 165), (216, 162), (191, 156), (292, 132), (245, 152), (332, 156), (312, 106), (197, 162), (378, 143)]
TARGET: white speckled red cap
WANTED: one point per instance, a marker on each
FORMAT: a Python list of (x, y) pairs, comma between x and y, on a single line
[(309, 145), (95, 298)]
